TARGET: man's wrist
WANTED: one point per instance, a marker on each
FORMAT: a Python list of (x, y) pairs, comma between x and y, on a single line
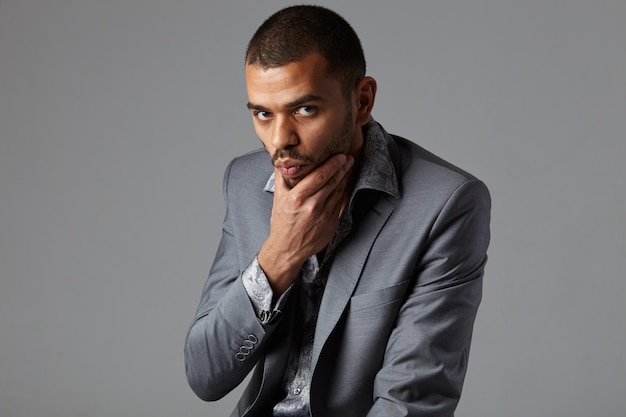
[(279, 270)]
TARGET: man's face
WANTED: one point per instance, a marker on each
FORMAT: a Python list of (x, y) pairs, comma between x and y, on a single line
[(301, 115)]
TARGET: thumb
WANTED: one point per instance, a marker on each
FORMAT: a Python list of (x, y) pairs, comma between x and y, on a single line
[(280, 186)]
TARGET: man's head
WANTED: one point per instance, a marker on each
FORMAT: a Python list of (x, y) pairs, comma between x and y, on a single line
[(307, 89), (294, 32)]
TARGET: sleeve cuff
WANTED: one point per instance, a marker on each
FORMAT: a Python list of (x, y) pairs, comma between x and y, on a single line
[(261, 295)]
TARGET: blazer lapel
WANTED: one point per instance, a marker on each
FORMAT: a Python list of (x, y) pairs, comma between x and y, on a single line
[(346, 270)]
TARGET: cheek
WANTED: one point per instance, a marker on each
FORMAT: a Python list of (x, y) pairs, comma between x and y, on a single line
[(262, 135), (322, 134), (315, 141)]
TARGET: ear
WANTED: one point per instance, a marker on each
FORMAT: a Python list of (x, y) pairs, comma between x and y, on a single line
[(365, 92)]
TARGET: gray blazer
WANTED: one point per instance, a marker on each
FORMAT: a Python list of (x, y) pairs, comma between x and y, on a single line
[(395, 322)]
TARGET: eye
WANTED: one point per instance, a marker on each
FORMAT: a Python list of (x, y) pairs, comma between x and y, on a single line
[(307, 110), (262, 115)]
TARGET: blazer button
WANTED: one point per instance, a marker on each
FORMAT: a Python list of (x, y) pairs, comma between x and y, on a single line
[(246, 348), (297, 391)]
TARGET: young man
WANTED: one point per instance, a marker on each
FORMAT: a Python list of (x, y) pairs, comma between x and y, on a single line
[(350, 266)]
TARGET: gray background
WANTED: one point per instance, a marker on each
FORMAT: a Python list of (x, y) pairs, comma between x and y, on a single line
[(117, 119)]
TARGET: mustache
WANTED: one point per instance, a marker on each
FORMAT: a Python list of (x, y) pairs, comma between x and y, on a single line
[(291, 154)]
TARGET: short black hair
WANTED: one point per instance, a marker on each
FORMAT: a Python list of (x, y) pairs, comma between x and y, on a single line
[(297, 31)]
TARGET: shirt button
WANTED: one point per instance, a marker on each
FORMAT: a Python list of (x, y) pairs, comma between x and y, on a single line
[(297, 391)]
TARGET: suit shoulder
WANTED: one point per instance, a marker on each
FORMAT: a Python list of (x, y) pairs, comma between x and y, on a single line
[(419, 167), (257, 156), (253, 169)]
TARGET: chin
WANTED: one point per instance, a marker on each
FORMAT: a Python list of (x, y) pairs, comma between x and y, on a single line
[(291, 182)]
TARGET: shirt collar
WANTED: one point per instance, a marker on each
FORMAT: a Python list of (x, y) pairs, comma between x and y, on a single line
[(377, 171)]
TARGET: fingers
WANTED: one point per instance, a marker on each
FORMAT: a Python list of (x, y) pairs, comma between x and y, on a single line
[(279, 183), (304, 217), (327, 176)]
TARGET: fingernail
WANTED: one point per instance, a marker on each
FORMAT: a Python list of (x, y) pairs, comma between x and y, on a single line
[(342, 158), (349, 161)]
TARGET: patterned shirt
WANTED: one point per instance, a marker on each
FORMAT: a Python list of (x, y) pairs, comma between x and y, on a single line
[(375, 173)]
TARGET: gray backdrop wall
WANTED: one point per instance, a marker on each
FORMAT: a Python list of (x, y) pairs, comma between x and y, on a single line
[(117, 119)]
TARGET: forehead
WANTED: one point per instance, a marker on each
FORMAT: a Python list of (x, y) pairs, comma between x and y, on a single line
[(277, 86)]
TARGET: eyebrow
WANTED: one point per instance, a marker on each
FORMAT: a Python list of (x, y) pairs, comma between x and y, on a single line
[(295, 103)]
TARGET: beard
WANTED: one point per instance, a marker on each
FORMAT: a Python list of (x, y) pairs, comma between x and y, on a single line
[(339, 144)]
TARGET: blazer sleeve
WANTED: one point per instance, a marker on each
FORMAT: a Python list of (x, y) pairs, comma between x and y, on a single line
[(226, 338), (427, 353)]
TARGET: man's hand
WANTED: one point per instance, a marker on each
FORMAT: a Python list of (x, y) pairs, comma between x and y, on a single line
[(304, 220)]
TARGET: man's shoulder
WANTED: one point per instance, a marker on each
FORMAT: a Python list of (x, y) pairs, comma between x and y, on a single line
[(254, 167), (413, 162), (418, 166), (428, 180), (257, 156)]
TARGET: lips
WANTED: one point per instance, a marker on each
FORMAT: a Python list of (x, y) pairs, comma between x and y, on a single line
[(290, 169)]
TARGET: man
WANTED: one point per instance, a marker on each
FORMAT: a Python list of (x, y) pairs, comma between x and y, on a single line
[(350, 266)]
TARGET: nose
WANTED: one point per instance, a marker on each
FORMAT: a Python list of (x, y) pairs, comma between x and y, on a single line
[(284, 133)]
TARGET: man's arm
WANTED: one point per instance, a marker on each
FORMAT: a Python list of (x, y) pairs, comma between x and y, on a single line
[(226, 339), (225, 322), (426, 356)]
